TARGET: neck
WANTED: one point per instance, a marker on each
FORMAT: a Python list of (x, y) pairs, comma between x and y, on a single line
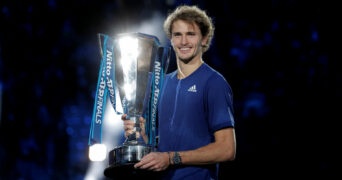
[(184, 70)]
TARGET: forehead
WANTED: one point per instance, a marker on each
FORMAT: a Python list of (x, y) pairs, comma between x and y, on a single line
[(184, 26)]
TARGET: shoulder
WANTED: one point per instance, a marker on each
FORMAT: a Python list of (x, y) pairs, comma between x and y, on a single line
[(214, 75), (216, 80), (171, 75)]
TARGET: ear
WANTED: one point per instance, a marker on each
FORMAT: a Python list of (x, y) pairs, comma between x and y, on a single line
[(204, 41)]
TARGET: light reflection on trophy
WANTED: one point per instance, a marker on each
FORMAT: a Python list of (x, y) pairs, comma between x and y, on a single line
[(133, 67)]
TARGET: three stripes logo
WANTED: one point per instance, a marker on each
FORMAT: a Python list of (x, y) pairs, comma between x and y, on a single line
[(192, 88)]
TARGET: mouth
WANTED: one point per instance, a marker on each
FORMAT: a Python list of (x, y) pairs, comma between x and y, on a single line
[(184, 50)]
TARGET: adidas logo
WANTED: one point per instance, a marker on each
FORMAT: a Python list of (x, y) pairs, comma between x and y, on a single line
[(192, 88)]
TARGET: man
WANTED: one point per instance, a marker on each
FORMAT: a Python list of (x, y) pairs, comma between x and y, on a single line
[(195, 109)]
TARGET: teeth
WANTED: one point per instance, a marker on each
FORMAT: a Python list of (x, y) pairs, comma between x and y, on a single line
[(184, 48)]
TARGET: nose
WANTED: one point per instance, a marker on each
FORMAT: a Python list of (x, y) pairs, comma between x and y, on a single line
[(184, 40)]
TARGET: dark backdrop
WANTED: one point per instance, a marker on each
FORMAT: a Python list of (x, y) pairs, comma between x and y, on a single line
[(277, 55)]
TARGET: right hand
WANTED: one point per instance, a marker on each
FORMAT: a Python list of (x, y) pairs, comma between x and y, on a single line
[(129, 127)]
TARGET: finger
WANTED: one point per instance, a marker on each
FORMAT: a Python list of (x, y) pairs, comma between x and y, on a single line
[(124, 117), (130, 132), (142, 123), (143, 165), (127, 134), (128, 128), (141, 120), (128, 123), (139, 164), (137, 134)]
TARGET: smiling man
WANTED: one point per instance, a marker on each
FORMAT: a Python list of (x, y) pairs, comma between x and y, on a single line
[(195, 110)]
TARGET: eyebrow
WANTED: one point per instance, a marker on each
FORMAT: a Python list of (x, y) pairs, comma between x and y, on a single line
[(187, 33)]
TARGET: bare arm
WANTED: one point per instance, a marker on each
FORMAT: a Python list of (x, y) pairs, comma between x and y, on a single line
[(223, 149)]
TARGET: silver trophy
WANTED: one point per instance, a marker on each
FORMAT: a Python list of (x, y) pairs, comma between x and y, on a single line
[(132, 70)]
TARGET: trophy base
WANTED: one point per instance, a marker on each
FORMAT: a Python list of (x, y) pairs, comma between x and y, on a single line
[(123, 158), (128, 172)]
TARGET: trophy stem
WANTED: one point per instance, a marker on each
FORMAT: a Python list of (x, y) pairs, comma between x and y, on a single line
[(133, 138)]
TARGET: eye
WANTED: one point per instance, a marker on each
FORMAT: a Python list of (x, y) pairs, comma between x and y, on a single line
[(176, 34)]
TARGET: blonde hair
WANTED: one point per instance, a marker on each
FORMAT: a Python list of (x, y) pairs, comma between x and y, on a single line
[(191, 14)]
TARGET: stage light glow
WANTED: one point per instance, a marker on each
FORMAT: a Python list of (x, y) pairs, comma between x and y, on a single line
[(97, 152), (112, 133)]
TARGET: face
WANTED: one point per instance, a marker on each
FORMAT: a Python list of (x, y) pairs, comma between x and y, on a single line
[(187, 41)]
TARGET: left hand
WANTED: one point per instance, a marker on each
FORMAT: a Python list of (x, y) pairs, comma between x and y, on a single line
[(154, 161)]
